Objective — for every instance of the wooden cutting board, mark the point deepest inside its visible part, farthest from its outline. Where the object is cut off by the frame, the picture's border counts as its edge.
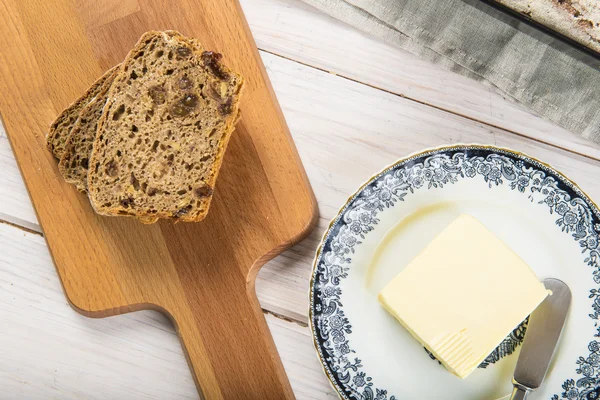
(200, 274)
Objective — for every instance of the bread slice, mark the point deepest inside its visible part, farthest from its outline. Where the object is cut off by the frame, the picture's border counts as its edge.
(74, 162)
(161, 138)
(57, 136)
(75, 159)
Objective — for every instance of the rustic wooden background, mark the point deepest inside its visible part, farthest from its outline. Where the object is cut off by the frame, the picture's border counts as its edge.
(353, 105)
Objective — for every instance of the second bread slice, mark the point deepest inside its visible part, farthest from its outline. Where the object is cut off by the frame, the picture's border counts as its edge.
(163, 132)
(60, 129)
(75, 159)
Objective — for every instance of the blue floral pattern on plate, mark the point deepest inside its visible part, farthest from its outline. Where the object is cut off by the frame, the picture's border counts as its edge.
(575, 215)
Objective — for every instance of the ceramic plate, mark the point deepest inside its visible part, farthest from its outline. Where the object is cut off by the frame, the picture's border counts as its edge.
(536, 210)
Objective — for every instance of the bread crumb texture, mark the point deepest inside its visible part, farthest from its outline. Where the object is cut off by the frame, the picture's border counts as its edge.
(163, 131)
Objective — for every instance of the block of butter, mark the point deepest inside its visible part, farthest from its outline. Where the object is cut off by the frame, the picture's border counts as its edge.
(463, 295)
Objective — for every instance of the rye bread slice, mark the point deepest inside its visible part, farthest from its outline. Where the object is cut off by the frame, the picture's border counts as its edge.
(58, 134)
(74, 162)
(161, 138)
(75, 159)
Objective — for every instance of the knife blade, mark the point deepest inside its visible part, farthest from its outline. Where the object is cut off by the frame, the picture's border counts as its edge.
(543, 332)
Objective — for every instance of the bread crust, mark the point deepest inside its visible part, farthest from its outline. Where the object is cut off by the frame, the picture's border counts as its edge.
(109, 196)
(73, 163)
(60, 129)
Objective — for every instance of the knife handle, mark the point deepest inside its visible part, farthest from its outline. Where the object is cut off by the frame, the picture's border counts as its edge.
(519, 393)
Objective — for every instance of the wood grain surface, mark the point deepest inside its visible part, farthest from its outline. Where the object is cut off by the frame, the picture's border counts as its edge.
(201, 275)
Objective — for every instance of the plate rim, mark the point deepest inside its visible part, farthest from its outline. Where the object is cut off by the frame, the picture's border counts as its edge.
(416, 154)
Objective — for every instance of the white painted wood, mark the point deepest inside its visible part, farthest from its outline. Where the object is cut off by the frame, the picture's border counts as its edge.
(300, 32)
(15, 205)
(48, 351)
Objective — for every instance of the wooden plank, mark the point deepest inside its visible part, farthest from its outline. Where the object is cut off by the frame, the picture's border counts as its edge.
(201, 275)
(50, 351)
(297, 31)
(15, 205)
(346, 132)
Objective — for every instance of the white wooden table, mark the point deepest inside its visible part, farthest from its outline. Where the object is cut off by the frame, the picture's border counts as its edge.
(353, 105)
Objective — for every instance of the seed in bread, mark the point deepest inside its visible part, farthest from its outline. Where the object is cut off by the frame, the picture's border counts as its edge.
(161, 138)
(57, 136)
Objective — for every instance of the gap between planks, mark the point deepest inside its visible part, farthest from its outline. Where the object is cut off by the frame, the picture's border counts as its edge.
(21, 227)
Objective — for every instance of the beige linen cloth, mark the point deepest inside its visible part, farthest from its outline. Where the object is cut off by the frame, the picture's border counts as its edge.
(471, 42)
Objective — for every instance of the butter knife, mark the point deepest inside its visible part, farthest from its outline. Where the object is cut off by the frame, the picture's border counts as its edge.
(543, 332)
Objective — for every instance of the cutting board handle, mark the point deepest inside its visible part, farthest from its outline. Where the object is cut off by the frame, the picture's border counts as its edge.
(232, 356)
